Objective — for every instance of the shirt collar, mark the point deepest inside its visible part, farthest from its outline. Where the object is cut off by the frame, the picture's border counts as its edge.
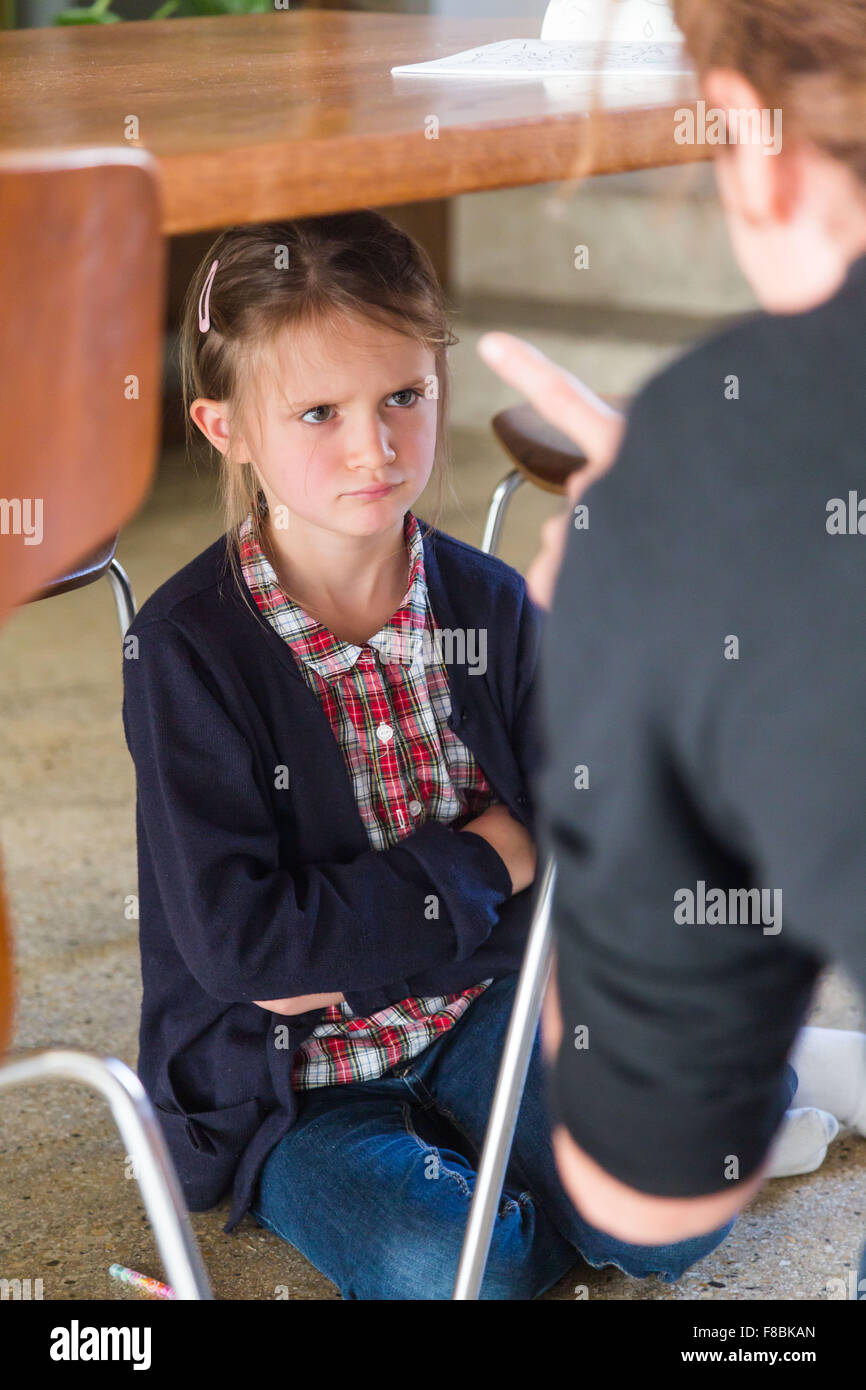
(399, 641)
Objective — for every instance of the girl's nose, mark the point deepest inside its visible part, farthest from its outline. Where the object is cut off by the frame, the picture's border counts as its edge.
(370, 445)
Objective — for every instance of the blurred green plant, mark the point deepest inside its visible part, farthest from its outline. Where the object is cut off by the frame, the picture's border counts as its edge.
(99, 13)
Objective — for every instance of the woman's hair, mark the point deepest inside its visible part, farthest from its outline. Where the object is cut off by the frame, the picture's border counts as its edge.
(806, 58)
(274, 276)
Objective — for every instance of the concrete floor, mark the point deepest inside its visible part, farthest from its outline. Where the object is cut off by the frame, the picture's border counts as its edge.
(67, 1208)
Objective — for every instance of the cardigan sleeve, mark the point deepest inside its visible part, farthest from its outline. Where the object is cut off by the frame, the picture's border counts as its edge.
(247, 927)
(504, 945)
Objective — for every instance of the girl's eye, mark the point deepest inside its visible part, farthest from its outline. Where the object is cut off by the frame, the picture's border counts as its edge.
(410, 392)
(313, 410)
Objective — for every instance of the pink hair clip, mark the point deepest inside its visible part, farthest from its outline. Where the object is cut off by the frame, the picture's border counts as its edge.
(204, 317)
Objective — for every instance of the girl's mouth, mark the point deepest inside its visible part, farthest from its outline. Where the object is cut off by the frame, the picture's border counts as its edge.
(374, 491)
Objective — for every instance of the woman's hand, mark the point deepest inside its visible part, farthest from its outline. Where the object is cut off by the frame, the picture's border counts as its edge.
(606, 1202)
(575, 410)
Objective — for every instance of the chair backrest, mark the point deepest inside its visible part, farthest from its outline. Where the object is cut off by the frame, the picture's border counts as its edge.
(543, 454)
(7, 1010)
(82, 289)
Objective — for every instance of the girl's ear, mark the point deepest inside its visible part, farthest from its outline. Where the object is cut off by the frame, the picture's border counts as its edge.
(208, 416)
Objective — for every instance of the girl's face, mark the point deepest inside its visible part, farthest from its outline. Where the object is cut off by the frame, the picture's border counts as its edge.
(345, 411)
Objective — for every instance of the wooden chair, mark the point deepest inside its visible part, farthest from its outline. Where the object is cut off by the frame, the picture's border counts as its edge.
(541, 455)
(545, 457)
(82, 283)
(102, 561)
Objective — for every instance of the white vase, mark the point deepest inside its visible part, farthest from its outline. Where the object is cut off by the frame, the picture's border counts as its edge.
(620, 21)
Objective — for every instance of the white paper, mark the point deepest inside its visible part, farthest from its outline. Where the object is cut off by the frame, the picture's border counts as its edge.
(557, 58)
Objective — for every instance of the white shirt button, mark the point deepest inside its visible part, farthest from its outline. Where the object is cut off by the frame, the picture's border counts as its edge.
(415, 807)
(384, 733)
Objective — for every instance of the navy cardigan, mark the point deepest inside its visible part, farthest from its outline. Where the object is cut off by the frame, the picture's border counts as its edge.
(253, 889)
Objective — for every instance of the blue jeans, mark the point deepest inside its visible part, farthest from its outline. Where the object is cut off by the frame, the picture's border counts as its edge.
(373, 1181)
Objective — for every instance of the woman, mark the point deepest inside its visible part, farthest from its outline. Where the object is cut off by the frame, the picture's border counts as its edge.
(711, 502)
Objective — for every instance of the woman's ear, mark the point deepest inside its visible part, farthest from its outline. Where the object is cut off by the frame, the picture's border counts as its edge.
(756, 183)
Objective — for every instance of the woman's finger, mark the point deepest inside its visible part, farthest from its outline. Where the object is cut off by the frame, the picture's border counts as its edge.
(551, 1018)
(542, 573)
(558, 396)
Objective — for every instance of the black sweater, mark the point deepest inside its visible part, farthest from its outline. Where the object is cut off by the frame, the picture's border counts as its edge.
(708, 765)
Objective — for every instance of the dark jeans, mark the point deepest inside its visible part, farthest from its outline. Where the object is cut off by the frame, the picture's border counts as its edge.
(373, 1181)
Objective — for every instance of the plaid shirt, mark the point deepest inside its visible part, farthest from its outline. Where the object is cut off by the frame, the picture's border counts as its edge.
(388, 704)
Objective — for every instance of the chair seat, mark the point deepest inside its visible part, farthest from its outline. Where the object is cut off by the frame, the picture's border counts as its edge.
(92, 567)
(542, 453)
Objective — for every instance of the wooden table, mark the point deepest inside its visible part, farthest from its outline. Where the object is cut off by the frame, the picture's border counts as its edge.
(296, 113)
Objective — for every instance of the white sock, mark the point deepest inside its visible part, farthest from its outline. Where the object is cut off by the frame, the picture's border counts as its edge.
(831, 1068)
(800, 1146)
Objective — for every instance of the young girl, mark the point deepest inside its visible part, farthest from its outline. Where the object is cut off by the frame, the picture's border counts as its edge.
(331, 715)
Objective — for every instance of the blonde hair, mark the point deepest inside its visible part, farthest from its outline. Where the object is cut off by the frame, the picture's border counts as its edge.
(275, 275)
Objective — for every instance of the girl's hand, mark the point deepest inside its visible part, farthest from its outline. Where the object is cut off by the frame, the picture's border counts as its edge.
(575, 410)
(510, 839)
(300, 1004)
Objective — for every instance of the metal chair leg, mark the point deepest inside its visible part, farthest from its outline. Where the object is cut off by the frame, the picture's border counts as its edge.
(123, 595)
(140, 1132)
(496, 511)
(525, 1012)
(507, 1095)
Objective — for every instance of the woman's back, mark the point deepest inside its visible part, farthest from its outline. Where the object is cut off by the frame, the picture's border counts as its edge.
(723, 661)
